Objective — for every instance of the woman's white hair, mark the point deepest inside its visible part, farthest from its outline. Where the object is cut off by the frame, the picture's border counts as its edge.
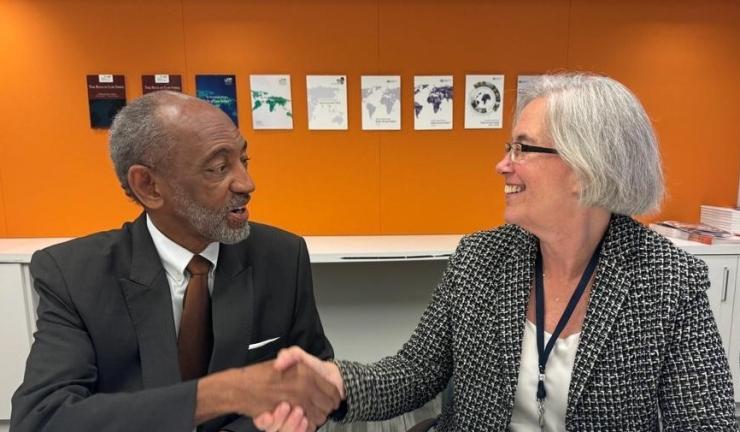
(604, 134)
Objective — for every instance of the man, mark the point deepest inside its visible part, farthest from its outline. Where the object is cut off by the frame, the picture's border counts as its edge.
(128, 339)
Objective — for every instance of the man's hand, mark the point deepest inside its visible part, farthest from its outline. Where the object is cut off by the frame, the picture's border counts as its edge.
(261, 388)
(285, 419)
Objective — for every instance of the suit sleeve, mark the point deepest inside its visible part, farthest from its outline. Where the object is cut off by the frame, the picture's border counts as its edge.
(696, 388)
(58, 392)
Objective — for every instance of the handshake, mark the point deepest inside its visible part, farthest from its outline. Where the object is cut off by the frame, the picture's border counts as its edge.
(294, 393)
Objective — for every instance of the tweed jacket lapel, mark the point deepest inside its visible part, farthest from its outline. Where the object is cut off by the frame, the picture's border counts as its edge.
(519, 276)
(609, 290)
(149, 303)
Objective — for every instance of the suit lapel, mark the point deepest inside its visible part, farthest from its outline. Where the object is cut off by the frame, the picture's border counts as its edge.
(147, 295)
(610, 289)
(232, 305)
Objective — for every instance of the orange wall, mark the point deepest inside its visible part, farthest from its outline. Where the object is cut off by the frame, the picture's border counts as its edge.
(680, 57)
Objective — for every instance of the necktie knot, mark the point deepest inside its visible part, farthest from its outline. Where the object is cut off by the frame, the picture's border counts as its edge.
(198, 266)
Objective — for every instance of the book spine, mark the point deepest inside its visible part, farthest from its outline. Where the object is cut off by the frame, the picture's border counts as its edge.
(667, 231)
(701, 238)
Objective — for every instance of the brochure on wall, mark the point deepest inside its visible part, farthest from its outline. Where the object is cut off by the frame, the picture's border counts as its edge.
(433, 102)
(484, 101)
(152, 83)
(220, 91)
(106, 95)
(327, 102)
(272, 106)
(522, 81)
(381, 102)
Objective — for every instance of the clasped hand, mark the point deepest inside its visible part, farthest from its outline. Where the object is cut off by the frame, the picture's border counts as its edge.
(300, 414)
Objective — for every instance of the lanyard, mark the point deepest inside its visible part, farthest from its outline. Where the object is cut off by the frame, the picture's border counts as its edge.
(542, 350)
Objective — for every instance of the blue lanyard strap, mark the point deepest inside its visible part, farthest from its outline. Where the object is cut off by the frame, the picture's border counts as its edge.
(542, 350)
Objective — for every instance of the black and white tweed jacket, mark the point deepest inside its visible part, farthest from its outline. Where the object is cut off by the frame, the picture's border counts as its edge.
(648, 342)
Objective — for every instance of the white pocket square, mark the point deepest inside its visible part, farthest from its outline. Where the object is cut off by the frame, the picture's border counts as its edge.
(263, 343)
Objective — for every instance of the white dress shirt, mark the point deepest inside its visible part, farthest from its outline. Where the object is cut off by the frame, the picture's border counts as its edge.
(525, 416)
(174, 260)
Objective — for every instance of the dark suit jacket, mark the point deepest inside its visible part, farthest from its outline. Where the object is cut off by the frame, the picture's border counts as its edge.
(104, 357)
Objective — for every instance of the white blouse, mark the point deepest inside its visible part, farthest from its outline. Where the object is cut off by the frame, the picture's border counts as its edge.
(524, 416)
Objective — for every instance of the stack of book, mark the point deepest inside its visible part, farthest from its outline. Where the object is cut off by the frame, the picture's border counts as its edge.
(726, 218)
(701, 232)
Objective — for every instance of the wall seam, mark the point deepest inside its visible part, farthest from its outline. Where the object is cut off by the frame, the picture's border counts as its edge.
(381, 229)
(567, 40)
(184, 43)
(3, 205)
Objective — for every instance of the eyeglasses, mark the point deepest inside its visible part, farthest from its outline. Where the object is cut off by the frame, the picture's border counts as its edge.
(515, 150)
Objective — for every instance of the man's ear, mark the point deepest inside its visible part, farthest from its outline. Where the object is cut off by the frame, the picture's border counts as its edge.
(145, 186)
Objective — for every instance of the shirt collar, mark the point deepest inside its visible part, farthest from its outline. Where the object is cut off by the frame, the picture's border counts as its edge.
(175, 257)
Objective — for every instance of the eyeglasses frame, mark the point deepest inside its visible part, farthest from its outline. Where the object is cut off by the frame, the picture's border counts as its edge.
(526, 148)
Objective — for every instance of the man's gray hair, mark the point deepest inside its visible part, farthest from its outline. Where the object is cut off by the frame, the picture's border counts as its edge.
(140, 135)
(604, 134)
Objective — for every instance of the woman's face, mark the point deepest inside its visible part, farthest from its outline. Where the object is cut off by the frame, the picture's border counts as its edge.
(541, 190)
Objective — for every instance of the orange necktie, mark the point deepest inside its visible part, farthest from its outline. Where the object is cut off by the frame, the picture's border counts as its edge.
(195, 341)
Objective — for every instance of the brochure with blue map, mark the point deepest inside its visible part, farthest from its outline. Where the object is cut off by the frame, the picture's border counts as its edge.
(106, 95)
(433, 96)
(220, 91)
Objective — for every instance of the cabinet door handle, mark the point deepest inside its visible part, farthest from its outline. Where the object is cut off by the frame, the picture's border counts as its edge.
(725, 280)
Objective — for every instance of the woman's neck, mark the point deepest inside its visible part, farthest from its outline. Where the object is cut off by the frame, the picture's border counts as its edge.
(567, 248)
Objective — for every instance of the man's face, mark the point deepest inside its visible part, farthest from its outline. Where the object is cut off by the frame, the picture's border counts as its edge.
(211, 223)
(206, 186)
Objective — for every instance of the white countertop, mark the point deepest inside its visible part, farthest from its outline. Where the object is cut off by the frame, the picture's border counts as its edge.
(381, 248)
(335, 249)
(322, 249)
(19, 250)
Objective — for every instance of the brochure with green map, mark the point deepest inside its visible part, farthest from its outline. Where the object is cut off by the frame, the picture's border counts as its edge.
(272, 106)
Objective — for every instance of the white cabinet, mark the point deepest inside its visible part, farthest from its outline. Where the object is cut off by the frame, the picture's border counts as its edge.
(722, 276)
(734, 352)
(734, 355)
(15, 331)
(724, 296)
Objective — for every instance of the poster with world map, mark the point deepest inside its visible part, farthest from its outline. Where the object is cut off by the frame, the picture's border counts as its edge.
(327, 102)
(381, 102)
(272, 106)
(484, 101)
(433, 102)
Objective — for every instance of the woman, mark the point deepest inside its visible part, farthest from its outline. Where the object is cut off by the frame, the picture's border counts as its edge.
(626, 311)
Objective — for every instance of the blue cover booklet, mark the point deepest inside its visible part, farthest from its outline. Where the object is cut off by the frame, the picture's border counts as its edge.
(220, 91)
